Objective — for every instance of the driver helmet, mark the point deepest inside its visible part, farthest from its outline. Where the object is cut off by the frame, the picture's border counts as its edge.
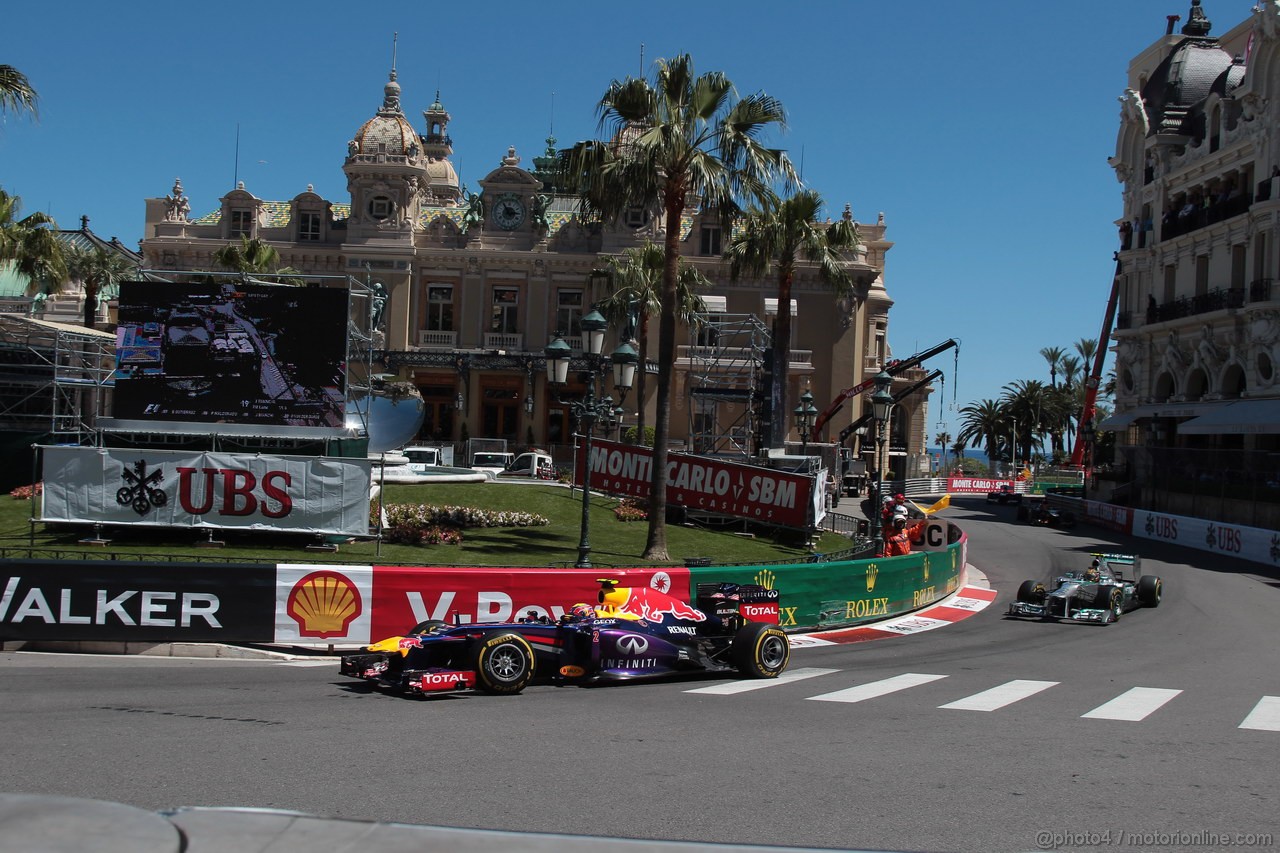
(1093, 573)
(582, 611)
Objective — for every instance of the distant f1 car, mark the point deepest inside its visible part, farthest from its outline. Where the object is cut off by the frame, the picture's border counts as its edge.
(1037, 510)
(632, 633)
(1004, 495)
(1110, 587)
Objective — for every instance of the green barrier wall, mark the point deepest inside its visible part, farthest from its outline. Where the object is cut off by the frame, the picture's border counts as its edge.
(853, 592)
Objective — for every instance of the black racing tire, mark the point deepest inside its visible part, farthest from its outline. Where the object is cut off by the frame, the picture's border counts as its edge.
(1112, 599)
(1031, 592)
(1150, 590)
(760, 650)
(504, 663)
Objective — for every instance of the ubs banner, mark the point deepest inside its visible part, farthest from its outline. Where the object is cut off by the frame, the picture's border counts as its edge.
(168, 488)
(136, 602)
(703, 483)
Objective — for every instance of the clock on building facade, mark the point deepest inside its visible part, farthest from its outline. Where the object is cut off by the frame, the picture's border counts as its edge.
(508, 212)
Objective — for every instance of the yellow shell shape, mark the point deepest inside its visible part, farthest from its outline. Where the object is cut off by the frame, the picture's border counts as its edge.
(323, 604)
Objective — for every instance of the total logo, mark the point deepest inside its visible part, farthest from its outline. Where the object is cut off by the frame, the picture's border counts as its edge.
(449, 680)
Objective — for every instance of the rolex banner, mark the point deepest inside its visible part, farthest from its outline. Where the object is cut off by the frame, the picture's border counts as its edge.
(706, 484)
(167, 488)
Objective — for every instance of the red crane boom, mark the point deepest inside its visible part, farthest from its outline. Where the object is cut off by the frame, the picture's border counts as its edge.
(893, 368)
(1095, 375)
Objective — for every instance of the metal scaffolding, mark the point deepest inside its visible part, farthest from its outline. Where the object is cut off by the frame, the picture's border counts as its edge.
(725, 364)
(55, 378)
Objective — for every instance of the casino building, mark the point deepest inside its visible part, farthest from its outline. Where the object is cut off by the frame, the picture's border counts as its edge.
(1197, 334)
(479, 284)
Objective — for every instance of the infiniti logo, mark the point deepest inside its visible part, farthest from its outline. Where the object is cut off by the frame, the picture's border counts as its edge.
(633, 644)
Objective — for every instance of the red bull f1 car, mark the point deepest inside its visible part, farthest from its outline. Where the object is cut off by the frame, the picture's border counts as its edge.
(1102, 593)
(630, 633)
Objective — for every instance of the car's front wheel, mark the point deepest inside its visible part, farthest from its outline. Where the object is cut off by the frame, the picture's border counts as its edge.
(1031, 592)
(760, 650)
(1110, 599)
(504, 663)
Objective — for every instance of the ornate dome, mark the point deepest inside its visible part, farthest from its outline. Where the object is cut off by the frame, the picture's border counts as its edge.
(1186, 77)
(388, 128)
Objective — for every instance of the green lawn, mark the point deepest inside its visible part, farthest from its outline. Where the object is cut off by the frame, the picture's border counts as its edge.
(613, 542)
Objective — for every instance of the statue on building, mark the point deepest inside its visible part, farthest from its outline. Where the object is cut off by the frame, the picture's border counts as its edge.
(1174, 358)
(475, 210)
(177, 206)
(538, 214)
(1207, 350)
(377, 304)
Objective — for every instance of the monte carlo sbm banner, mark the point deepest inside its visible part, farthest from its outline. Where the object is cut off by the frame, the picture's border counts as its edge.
(177, 488)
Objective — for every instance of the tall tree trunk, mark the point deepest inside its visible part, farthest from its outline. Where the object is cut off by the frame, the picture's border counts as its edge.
(781, 361)
(656, 546)
(640, 375)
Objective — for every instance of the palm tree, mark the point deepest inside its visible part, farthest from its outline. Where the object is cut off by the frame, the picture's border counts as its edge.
(1053, 355)
(31, 243)
(683, 137)
(249, 256)
(983, 425)
(16, 92)
(98, 269)
(943, 440)
(1024, 404)
(1087, 347)
(637, 276)
(780, 235)
(1070, 368)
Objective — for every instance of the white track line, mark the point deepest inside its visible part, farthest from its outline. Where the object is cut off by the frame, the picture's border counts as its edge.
(998, 697)
(1132, 705)
(1265, 716)
(732, 687)
(878, 688)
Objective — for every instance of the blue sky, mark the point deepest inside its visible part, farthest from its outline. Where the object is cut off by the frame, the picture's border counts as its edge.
(980, 130)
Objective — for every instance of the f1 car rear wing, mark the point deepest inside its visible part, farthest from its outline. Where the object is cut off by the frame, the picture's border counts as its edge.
(1121, 562)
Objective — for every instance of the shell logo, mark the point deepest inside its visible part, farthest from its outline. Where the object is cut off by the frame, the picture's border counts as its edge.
(323, 604)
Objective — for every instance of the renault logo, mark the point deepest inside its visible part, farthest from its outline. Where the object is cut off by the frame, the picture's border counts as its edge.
(633, 644)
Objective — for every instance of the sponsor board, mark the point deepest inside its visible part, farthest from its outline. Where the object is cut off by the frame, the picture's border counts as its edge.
(975, 485)
(1110, 516)
(1232, 540)
(168, 488)
(146, 602)
(702, 483)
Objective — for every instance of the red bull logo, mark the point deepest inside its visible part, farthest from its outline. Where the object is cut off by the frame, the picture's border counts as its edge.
(650, 604)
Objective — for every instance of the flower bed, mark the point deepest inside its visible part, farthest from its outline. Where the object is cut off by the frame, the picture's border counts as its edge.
(425, 524)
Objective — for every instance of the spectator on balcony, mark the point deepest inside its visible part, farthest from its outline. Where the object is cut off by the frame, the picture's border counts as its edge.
(1126, 235)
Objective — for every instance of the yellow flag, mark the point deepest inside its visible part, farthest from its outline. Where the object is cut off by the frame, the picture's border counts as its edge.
(942, 503)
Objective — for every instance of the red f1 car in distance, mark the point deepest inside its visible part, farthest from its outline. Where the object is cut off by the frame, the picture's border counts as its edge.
(630, 633)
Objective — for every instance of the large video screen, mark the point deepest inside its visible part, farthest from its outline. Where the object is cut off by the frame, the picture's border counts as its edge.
(231, 353)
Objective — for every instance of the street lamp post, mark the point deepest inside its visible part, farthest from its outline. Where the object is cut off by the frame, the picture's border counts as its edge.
(881, 406)
(805, 414)
(590, 409)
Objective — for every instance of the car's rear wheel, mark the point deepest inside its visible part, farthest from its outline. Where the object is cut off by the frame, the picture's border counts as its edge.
(1030, 592)
(504, 663)
(1150, 590)
(760, 650)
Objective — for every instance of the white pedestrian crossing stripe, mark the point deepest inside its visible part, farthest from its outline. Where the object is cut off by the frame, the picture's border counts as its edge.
(998, 697)
(1265, 716)
(790, 675)
(1133, 705)
(878, 688)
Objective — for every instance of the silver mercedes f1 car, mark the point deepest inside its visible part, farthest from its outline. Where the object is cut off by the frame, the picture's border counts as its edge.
(1102, 593)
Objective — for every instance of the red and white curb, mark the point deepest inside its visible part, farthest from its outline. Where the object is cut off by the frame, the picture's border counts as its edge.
(967, 601)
